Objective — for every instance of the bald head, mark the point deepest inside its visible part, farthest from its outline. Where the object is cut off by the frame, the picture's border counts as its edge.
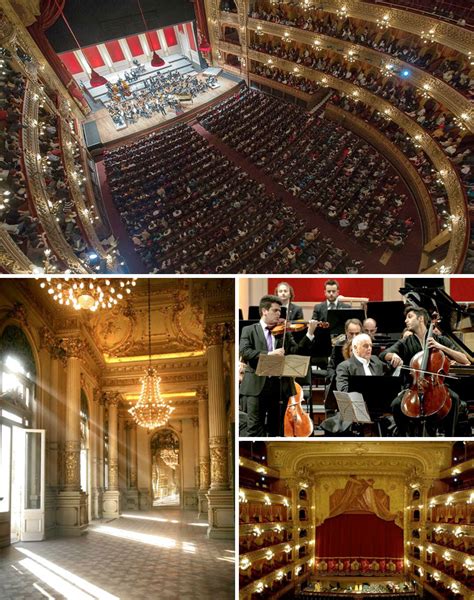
(369, 326)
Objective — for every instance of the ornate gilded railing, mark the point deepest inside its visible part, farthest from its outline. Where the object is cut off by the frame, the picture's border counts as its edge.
(12, 259)
(77, 194)
(281, 87)
(457, 233)
(454, 101)
(37, 184)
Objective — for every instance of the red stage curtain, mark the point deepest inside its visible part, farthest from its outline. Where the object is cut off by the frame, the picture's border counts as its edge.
(115, 51)
(93, 57)
(356, 535)
(200, 12)
(311, 290)
(50, 12)
(170, 36)
(190, 31)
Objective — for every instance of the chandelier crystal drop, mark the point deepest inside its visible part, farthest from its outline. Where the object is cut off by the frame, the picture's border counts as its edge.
(88, 294)
(151, 410)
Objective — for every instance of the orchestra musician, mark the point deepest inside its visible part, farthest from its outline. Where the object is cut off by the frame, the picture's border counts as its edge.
(286, 293)
(369, 326)
(360, 363)
(417, 322)
(260, 396)
(332, 302)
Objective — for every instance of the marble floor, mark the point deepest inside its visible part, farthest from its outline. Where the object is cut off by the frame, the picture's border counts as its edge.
(161, 554)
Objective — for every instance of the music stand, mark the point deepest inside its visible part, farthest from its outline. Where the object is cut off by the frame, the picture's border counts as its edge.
(275, 365)
(379, 391)
(352, 407)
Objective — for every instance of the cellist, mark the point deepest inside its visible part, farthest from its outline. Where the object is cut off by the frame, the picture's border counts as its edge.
(259, 396)
(417, 321)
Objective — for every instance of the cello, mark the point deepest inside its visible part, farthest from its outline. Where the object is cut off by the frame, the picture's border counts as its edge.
(297, 422)
(428, 395)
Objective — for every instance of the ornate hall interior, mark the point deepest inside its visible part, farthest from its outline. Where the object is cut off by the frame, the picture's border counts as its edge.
(155, 137)
(117, 438)
(372, 520)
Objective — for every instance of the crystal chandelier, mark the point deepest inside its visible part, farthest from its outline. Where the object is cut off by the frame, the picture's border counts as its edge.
(151, 410)
(170, 457)
(88, 294)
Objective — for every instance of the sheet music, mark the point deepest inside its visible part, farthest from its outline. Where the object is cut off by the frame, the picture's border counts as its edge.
(352, 407)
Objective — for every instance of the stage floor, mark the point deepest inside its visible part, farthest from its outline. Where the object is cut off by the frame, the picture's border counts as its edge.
(106, 127)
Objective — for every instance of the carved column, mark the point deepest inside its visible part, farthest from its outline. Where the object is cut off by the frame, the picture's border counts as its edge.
(95, 432)
(131, 493)
(111, 508)
(204, 461)
(220, 497)
(72, 502)
(100, 453)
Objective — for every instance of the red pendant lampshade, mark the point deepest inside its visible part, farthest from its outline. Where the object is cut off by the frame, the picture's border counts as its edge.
(156, 60)
(97, 79)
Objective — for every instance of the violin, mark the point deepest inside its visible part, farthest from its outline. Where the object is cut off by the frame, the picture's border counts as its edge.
(294, 326)
(428, 396)
(297, 423)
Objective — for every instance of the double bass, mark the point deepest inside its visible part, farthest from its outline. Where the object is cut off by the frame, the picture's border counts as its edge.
(428, 395)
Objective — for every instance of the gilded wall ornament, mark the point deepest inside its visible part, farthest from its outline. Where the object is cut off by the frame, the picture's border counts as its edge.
(204, 473)
(214, 334)
(113, 473)
(73, 347)
(71, 454)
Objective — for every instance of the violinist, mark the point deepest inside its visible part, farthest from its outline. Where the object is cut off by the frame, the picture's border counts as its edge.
(401, 353)
(260, 396)
(286, 294)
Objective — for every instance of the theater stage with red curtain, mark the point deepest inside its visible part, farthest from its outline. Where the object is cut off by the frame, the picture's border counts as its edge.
(352, 544)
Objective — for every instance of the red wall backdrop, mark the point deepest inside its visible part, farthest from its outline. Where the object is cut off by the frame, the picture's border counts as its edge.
(153, 40)
(462, 288)
(170, 36)
(71, 63)
(135, 46)
(93, 56)
(115, 51)
(312, 289)
(189, 29)
(359, 536)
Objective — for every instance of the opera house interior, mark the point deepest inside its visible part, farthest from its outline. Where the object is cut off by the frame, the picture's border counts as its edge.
(371, 520)
(236, 136)
(362, 364)
(117, 438)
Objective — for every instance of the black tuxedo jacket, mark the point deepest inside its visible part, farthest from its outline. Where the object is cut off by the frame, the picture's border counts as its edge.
(320, 311)
(296, 313)
(353, 367)
(252, 344)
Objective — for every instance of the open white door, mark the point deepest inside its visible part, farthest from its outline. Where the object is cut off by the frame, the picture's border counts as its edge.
(32, 522)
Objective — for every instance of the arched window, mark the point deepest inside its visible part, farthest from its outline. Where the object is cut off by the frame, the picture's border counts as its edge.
(166, 468)
(303, 495)
(18, 376)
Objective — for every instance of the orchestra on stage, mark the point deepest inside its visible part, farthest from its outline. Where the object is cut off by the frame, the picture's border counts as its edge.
(357, 367)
